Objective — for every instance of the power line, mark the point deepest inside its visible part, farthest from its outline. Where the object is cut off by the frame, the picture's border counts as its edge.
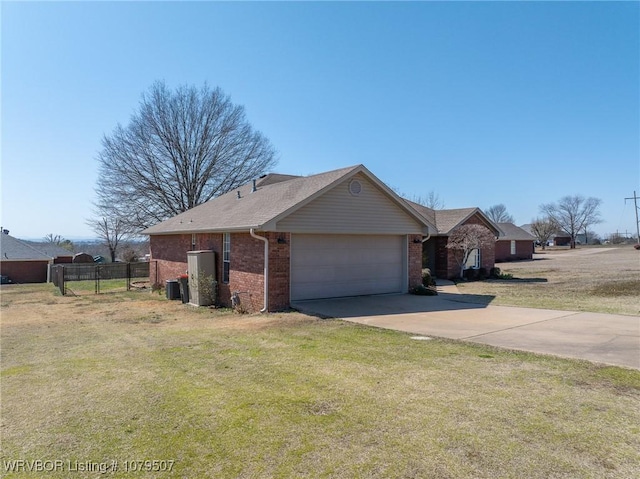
(635, 202)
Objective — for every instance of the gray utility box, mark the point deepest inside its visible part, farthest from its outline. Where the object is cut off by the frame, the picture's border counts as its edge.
(201, 266)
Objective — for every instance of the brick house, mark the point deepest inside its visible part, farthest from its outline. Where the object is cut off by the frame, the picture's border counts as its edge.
(286, 238)
(24, 262)
(440, 259)
(514, 244)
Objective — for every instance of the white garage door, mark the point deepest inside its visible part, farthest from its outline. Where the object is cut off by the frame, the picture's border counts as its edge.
(328, 266)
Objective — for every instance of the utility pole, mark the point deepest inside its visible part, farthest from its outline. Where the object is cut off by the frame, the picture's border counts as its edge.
(635, 199)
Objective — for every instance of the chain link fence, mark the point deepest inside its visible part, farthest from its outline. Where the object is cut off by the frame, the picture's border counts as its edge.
(100, 278)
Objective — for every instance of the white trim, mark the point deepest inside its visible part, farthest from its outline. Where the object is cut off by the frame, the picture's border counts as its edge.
(405, 266)
(227, 259)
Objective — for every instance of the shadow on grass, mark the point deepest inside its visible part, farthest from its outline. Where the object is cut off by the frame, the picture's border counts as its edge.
(518, 280)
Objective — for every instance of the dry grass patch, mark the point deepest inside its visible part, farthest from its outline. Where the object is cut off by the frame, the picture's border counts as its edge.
(618, 288)
(605, 280)
(286, 395)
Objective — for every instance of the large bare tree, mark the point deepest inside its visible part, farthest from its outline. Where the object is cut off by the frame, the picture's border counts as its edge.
(499, 214)
(573, 214)
(111, 231)
(465, 239)
(543, 229)
(180, 149)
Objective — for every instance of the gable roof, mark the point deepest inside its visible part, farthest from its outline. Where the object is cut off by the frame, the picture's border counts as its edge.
(276, 197)
(13, 249)
(512, 232)
(50, 249)
(447, 220)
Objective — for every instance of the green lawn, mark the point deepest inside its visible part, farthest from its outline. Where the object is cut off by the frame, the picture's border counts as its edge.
(91, 379)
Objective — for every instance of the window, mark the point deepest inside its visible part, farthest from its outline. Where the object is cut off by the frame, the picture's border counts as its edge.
(473, 261)
(513, 247)
(193, 242)
(226, 256)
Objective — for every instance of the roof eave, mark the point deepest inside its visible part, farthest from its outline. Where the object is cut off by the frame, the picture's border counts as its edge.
(236, 229)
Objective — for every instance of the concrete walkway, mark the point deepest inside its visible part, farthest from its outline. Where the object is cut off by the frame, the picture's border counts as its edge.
(605, 338)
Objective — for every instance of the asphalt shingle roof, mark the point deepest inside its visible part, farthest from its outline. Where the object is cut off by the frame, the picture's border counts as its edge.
(445, 220)
(513, 232)
(276, 196)
(52, 250)
(14, 249)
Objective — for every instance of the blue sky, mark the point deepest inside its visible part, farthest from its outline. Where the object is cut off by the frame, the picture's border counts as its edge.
(518, 103)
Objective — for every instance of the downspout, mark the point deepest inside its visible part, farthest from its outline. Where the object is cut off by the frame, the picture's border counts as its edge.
(266, 268)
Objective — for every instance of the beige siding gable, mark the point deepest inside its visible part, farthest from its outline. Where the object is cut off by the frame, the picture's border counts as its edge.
(371, 211)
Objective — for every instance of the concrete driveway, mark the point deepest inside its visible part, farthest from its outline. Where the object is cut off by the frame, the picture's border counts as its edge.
(605, 338)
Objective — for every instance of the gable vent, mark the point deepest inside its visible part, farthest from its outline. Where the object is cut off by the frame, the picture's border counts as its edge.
(355, 187)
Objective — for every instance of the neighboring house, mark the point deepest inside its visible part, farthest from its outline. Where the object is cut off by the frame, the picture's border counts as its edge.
(514, 244)
(561, 239)
(59, 254)
(284, 238)
(440, 259)
(25, 263)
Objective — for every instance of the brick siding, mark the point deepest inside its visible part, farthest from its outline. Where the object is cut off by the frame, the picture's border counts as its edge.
(415, 261)
(246, 274)
(446, 265)
(168, 257)
(25, 271)
(524, 250)
(169, 260)
(279, 270)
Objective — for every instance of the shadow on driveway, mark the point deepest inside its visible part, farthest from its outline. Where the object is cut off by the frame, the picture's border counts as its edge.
(391, 304)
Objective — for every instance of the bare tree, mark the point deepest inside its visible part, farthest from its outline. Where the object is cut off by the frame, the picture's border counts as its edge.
(111, 230)
(573, 214)
(467, 238)
(543, 229)
(499, 214)
(180, 149)
(58, 241)
(52, 239)
(432, 200)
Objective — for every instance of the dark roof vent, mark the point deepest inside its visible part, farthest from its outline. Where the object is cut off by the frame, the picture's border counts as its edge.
(253, 188)
(238, 194)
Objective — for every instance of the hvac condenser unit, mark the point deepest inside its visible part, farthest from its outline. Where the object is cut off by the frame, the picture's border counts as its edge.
(201, 266)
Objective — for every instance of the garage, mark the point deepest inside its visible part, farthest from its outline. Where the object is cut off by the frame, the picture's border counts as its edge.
(328, 266)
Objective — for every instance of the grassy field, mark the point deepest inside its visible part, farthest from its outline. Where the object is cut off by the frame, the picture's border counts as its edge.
(125, 377)
(597, 279)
